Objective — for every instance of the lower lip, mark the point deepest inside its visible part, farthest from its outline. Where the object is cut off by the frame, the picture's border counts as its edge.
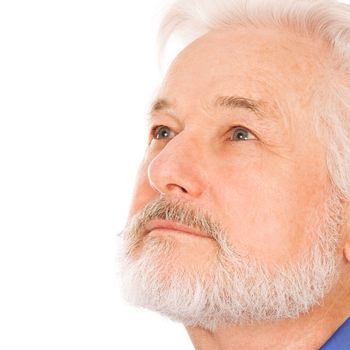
(161, 231)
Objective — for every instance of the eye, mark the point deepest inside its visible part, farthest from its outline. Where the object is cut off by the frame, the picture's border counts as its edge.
(242, 134)
(161, 132)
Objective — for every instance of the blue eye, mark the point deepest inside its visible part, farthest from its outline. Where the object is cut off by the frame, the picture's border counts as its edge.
(161, 132)
(242, 134)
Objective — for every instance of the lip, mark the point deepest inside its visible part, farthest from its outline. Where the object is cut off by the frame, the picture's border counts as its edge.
(173, 226)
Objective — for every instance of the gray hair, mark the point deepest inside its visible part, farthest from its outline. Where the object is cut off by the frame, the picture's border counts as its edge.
(326, 20)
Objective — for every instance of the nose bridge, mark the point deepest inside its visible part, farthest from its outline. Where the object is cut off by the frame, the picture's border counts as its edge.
(179, 167)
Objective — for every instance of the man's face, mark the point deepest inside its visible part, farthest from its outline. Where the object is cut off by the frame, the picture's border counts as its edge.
(237, 147)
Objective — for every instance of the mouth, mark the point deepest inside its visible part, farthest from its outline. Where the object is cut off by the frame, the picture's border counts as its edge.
(155, 227)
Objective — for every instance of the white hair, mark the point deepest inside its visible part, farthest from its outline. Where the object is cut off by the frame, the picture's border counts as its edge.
(325, 20)
(235, 289)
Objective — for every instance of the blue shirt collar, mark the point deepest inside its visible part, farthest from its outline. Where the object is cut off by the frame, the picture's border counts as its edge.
(340, 340)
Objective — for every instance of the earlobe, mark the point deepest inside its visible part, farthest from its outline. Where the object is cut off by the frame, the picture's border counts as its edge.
(346, 233)
(346, 251)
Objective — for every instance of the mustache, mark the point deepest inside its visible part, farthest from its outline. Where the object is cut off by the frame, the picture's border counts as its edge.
(175, 210)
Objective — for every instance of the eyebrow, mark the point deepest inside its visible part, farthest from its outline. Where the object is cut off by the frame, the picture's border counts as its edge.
(232, 102)
(259, 107)
(160, 105)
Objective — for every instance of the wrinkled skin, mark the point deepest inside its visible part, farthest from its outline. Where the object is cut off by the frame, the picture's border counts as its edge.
(262, 190)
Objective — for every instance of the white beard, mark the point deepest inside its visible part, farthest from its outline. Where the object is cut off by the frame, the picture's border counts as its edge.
(235, 289)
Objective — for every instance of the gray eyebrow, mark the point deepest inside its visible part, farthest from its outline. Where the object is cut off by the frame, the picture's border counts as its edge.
(259, 107)
(160, 104)
(238, 102)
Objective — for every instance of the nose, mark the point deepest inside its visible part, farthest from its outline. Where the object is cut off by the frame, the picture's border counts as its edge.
(178, 169)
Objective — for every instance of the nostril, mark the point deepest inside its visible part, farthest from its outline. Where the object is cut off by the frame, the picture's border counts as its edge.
(174, 187)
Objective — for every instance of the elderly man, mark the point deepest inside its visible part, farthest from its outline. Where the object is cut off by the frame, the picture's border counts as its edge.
(239, 225)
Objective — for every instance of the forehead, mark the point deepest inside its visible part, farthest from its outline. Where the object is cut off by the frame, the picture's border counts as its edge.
(256, 64)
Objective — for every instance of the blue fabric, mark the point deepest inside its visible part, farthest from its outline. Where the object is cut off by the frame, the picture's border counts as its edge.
(340, 340)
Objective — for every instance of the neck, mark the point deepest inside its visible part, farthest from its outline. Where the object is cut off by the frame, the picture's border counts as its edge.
(310, 331)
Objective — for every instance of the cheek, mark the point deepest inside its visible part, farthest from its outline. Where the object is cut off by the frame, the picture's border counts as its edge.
(258, 218)
(265, 208)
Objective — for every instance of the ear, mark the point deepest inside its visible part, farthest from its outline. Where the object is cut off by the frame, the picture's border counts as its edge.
(346, 233)
(346, 251)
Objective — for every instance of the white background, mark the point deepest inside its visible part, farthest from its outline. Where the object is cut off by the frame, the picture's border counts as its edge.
(76, 80)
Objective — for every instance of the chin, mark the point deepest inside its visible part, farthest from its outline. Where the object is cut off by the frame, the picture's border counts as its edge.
(169, 254)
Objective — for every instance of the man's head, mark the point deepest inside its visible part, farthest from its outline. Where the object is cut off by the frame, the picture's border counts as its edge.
(248, 148)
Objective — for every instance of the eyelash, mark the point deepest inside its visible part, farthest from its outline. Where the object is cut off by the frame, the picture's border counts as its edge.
(155, 128)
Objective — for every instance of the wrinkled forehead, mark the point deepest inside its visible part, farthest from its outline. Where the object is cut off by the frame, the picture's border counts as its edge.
(253, 51)
(258, 64)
